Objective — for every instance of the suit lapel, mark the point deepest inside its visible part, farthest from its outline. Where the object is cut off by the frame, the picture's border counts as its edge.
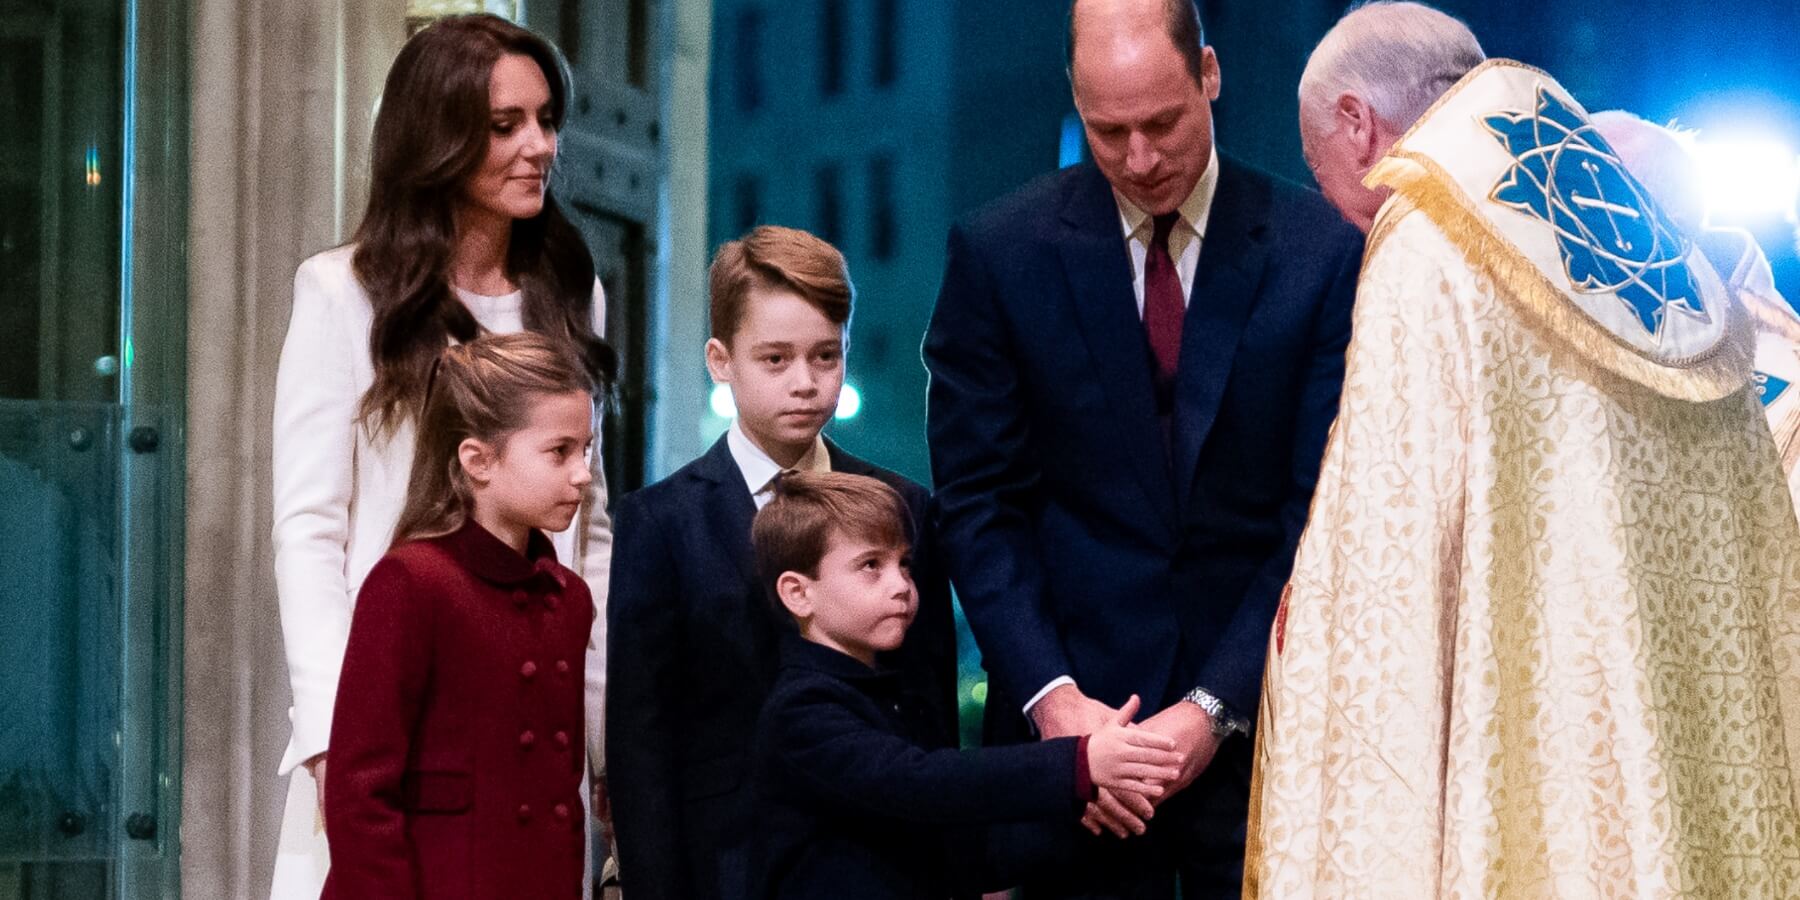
(843, 461)
(1232, 256)
(729, 508)
(1097, 264)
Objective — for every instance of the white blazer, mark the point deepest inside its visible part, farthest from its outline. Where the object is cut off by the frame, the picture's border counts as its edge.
(339, 491)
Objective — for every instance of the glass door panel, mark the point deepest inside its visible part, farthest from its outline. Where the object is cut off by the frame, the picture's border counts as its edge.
(90, 461)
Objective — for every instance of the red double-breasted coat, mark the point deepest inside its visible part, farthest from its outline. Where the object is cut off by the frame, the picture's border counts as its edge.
(454, 764)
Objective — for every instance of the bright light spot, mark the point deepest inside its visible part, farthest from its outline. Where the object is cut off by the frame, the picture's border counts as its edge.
(1069, 150)
(979, 692)
(849, 402)
(720, 401)
(1748, 179)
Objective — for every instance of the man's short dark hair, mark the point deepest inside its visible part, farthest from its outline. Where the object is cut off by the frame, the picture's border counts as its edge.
(1185, 31)
(794, 531)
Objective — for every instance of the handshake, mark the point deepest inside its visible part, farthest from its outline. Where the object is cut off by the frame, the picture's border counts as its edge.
(1135, 766)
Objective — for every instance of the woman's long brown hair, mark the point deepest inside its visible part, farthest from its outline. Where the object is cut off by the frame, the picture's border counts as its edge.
(484, 390)
(430, 135)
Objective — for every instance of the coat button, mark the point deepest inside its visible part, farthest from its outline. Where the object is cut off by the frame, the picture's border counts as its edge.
(527, 739)
(561, 811)
(528, 670)
(562, 667)
(520, 597)
(562, 739)
(524, 812)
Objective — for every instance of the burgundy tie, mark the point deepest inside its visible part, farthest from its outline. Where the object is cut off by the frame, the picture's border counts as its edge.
(1164, 305)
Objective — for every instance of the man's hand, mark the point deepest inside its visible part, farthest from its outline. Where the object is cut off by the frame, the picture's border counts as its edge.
(1122, 813)
(1126, 814)
(1191, 728)
(1124, 806)
(1067, 712)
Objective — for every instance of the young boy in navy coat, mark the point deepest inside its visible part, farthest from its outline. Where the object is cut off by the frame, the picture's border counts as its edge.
(692, 643)
(850, 802)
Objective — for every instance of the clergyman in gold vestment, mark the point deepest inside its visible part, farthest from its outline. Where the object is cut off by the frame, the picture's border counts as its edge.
(1540, 637)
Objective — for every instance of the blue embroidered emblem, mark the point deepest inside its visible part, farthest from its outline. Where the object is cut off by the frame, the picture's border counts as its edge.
(1613, 237)
(1769, 388)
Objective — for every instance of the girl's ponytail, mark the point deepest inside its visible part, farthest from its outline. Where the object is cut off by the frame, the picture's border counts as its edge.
(483, 390)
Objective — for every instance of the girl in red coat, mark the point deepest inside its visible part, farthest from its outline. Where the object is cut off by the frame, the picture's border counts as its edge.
(456, 742)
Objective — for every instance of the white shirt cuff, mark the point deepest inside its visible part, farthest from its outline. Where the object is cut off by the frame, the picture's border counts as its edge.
(1053, 685)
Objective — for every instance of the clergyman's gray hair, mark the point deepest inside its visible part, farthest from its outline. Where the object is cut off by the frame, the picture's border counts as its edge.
(1399, 57)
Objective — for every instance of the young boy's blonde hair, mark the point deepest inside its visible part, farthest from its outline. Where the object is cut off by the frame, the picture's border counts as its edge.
(772, 257)
(811, 509)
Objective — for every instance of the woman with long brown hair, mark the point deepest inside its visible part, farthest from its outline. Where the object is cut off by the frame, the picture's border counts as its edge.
(460, 237)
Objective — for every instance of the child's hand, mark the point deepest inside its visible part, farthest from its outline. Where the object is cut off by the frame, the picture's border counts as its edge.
(1126, 759)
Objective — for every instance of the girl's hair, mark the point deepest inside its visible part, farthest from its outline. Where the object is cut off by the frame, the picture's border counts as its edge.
(483, 389)
(431, 134)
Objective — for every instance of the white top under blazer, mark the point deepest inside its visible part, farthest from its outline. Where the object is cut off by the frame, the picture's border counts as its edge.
(338, 491)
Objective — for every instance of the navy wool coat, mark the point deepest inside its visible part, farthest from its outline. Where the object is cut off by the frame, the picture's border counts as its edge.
(851, 803)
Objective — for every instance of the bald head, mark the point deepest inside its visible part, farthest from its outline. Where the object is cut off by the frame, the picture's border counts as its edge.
(1178, 21)
(1371, 77)
(1144, 85)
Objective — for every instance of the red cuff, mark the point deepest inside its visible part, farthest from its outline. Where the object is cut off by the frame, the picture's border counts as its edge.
(1084, 779)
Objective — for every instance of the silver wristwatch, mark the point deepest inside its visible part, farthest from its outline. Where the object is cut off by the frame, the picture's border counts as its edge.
(1224, 724)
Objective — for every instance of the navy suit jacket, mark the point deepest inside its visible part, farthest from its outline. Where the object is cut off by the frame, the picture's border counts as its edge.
(692, 651)
(1082, 542)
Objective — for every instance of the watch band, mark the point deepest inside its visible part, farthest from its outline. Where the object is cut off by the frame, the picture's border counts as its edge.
(1224, 724)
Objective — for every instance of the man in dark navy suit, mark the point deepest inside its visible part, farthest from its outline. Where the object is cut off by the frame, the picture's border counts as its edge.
(1134, 365)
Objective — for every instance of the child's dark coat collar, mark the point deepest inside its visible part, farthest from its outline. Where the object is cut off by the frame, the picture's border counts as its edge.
(799, 653)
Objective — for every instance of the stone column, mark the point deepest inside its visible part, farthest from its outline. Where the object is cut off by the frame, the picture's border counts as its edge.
(282, 97)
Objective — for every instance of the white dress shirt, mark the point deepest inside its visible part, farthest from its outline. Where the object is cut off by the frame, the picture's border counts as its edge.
(1184, 238)
(759, 470)
(1184, 248)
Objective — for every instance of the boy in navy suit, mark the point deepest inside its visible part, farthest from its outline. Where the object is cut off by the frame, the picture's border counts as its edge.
(692, 643)
(850, 801)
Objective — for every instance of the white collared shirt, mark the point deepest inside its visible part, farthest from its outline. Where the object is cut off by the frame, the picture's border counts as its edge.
(759, 470)
(1184, 248)
(1184, 239)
